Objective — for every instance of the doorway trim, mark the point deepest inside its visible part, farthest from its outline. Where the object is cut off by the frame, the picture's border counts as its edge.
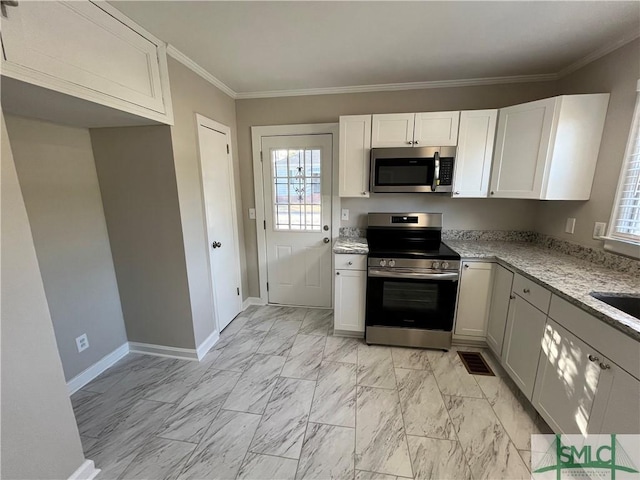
(258, 188)
(206, 122)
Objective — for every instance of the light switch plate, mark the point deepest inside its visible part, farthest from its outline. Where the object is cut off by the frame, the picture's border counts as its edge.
(345, 214)
(599, 230)
(252, 213)
(570, 225)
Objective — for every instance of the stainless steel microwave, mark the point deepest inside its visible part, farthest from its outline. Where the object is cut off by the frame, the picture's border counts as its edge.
(412, 169)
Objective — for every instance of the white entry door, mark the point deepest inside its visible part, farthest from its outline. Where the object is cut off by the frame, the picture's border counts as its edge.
(220, 208)
(297, 196)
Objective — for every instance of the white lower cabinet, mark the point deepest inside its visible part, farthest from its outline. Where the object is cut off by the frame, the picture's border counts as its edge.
(522, 343)
(567, 380)
(500, 300)
(473, 299)
(350, 295)
(578, 390)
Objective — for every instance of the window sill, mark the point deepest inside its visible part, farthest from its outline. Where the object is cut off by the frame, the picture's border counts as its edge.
(628, 249)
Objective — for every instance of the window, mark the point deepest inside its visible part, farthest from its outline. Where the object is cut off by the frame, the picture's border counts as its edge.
(296, 190)
(624, 227)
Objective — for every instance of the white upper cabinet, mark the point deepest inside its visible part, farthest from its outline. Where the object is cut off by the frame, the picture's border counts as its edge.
(392, 130)
(89, 51)
(475, 149)
(437, 129)
(548, 149)
(355, 150)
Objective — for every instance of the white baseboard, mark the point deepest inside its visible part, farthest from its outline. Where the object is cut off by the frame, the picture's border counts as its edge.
(80, 380)
(164, 351)
(205, 346)
(252, 301)
(348, 333)
(86, 471)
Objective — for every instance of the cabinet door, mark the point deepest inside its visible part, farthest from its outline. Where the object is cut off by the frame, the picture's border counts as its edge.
(392, 130)
(475, 149)
(522, 343)
(500, 300)
(349, 305)
(522, 145)
(616, 407)
(567, 380)
(355, 149)
(77, 44)
(436, 129)
(473, 299)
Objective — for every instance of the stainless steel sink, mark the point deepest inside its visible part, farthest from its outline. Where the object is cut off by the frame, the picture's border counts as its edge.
(627, 302)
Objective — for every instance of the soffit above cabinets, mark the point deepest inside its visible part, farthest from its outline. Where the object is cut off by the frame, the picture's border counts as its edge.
(275, 48)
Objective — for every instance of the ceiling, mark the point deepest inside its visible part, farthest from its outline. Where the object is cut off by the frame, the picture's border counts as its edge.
(272, 48)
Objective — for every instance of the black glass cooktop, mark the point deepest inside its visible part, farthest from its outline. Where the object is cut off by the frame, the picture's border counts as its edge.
(442, 252)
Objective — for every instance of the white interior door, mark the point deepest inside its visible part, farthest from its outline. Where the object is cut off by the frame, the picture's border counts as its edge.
(296, 172)
(220, 209)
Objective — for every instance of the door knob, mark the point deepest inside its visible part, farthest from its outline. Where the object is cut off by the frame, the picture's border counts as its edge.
(325, 239)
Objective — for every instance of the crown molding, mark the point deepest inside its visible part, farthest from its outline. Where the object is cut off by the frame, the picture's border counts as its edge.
(391, 87)
(599, 53)
(176, 54)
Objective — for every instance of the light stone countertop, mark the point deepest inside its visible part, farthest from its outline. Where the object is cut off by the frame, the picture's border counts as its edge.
(568, 277)
(351, 245)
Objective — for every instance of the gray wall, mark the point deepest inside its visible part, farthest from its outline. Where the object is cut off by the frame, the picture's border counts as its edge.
(60, 187)
(480, 214)
(39, 434)
(138, 185)
(617, 73)
(190, 95)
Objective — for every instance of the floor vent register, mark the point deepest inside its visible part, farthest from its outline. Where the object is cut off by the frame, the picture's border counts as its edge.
(475, 363)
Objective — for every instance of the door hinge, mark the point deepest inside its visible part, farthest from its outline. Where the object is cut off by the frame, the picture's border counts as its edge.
(260, 155)
(267, 286)
(264, 224)
(238, 290)
(227, 148)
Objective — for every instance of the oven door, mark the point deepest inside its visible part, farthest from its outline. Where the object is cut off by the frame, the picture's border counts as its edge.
(411, 300)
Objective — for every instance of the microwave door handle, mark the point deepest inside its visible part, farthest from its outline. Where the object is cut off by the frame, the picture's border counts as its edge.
(436, 173)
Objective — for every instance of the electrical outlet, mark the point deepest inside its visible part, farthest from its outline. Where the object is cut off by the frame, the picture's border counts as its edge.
(252, 214)
(82, 342)
(570, 226)
(345, 214)
(599, 230)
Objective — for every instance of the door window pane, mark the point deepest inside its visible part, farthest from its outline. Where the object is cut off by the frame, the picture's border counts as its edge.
(296, 189)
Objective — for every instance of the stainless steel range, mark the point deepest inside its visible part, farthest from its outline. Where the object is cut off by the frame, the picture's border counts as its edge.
(412, 281)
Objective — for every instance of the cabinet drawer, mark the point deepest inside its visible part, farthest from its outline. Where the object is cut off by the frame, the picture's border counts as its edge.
(533, 293)
(620, 348)
(345, 261)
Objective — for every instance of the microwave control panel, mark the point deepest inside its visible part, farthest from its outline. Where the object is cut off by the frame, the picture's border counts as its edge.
(446, 171)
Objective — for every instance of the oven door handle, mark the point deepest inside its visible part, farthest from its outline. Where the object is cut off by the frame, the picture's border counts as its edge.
(377, 272)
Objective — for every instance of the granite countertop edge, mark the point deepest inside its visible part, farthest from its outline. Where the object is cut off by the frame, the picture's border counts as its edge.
(351, 245)
(616, 318)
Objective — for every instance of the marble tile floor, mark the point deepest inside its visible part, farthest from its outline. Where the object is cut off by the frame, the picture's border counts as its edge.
(279, 397)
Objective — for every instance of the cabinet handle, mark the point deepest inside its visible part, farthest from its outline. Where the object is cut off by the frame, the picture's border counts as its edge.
(512, 296)
(491, 193)
(364, 193)
(415, 142)
(350, 263)
(456, 193)
(410, 143)
(605, 366)
(526, 290)
(593, 358)
(466, 265)
(337, 273)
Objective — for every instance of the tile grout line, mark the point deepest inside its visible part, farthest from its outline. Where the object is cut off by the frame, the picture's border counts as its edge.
(455, 431)
(404, 425)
